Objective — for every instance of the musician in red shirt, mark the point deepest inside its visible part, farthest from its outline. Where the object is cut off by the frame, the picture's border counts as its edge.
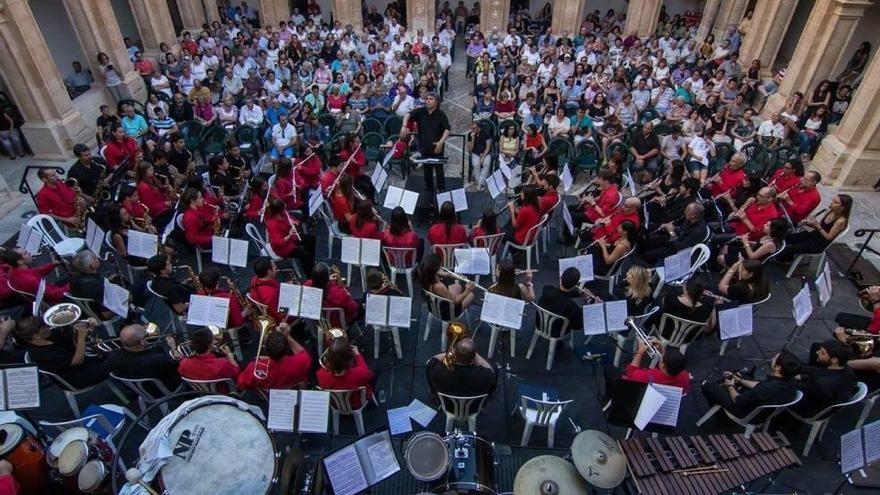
(308, 169)
(524, 218)
(198, 227)
(329, 177)
(285, 236)
(446, 230)
(259, 190)
(120, 149)
(671, 370)
(400, 234)
(800, 200)
(342, 203)
(607, 227)
(335, 296)
(23, 277)
(788, 176)
(731, 175)
(204, 364)
(55, 198)
(152, 195)
(601, 207)
(265, 287)
(551, 195)
(364, 224)
(751, 219)
(210, 278)
(285, 188)
(346, 370)
(285, 362)
(352, 154)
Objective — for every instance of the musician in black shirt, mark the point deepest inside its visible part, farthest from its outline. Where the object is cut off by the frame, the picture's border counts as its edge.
(87, 170)
(671, 239)
(827, 379)
(136, 360)
(87, 283)
(433, 129)
(740, 395)
(178, 155)
(564, 300)
(175, 293)
(61, 351)
(471, 374)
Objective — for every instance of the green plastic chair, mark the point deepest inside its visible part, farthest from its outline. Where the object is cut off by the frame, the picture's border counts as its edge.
(372, 145)
(648, 114)
(756, 159)
(370, 125)
(248, 137)
(214, 141)
(392, 125)
(193, 133)
(587, 157)
(138, 106)
(723, 152)
(779, 157)
(561, 147)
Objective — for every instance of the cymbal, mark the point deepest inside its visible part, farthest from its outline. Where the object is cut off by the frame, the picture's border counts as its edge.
(598, 458)
(548, 475)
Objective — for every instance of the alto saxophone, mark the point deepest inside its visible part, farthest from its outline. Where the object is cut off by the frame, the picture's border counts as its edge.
(146, 222)
(196, 282)
(100, 193)
(236, 292)
(81, 207)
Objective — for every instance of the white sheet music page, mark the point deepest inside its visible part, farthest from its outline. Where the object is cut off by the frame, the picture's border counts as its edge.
(382, 459)
(392, 197)
(41, 294)
(566, 215)
(238, 252)
(22, 388)
(371, 250)
(398, 420)
(310, 304)
(377, 310)
(459, 199)
(94, 237)
(345, 472)
(316, 198)
(667, 415)
(288, 298)
(652, 401)
(351, 250)
(567, 179)
(852, 453)
(583, 263)
(282, 407)
(3, 392)
(141, 244)
(314, 406)
(472, 261)
(24, 231)
(442, 198)
(823, 289)
(495, 186)
(615, 315)
(515, 177)
(802, 305)
(220, 250)
(505, 169)
(116, 298)
(399, 311)
(594, 319)
(735, 322)
(207, 310)
(677, 265)
(872, 442)
(409, 201)
(504, 311)
(421, 413)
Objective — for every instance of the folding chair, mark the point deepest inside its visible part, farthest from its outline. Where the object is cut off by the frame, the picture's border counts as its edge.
(819, 421)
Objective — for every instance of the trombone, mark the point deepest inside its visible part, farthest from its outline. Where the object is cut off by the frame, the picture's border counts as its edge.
(642, 337)
(261, 366)
(185, 348)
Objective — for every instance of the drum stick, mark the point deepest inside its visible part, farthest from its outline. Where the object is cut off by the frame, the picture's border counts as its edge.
(134, 476)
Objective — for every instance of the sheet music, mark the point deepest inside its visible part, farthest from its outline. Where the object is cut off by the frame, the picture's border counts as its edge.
(94, 237)
(3, 391)
(442, 198)
(316, 198)
(399, 311)
(566, 215)
(496, 184)
(116, 298)
(667, 415)
(388, 157)
(851, 451)
(24, 231)
(615, 315)
(505, 169)
(398, 420)
(594, 319)
(238, 252)
(515, 177)
(504, 311)
(802, 305)
(314, 406)
(392, 197)
(351, 250)
(22, 388)
(382, 460)
(652, 401)
(379, 177)
(282, 406)
(459, 199)
(409, 201)
(377, 310)
(677, 265)
(141, 244)
(872, 442)
(370, 252)
(41, 293)
(345, 472)
(823, 288)
(472, 261)
(421, 413)
(288, 298)
(735, 322)
(207, 310)
(583, 263)
(310, 304)
(567, 179)
(220, 250)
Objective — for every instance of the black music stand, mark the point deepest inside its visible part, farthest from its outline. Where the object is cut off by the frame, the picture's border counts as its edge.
(625, 402)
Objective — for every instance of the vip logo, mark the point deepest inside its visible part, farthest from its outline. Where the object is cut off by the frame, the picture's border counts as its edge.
(187, 442)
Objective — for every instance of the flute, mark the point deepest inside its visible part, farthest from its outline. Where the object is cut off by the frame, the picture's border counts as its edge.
(462, 278)
(718, 298)
(292, 225)
(342, 170)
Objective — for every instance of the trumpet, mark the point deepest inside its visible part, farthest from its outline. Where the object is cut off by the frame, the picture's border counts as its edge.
(642, 337)
(261, 366)
(336, 274)
(461, 278)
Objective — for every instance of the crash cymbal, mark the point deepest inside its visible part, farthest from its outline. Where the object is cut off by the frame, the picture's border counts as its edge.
(548, 475)
(598, 458)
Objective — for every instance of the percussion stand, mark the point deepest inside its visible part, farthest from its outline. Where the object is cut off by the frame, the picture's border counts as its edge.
(793, 337)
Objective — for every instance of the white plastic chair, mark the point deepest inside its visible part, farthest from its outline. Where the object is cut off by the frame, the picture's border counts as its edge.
(265, 249)
(746, 422)
(809, 257)
(545, 322)
(85, 304)
(212, 386)
(540, 413)
(71, 392)
(614, 270)
(739, 339)
(447, 254)
(491, 243)
(145, 396)
(55, 238)
(493, 338)
(438, 306)
(104, 423)
(819, 421)
(177, 322)
(198, 249)
(458, 409)
(703, 255)
(683, 331)
(340, 404)
(869, 400)
(623, 336)
(528, 244)
(774, 253)
(108, 241)
(401, 261)
(333, 231)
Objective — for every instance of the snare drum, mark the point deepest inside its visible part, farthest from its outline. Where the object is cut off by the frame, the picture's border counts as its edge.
(79, 454)
(219, 448)
(24, 452)
(426, 456)
(471, 466)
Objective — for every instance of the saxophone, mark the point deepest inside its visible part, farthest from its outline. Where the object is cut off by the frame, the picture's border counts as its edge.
(194, 280)
(100, 193)
(81, 207)
(146, 222)
(234, 290)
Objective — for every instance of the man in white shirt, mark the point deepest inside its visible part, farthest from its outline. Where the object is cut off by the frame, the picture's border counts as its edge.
(297, 19)
(240, 69)
(231, 85)
(512, 39)
(771, 132)
(444, 59)
(403, 103)
(250, 113)
(642, 95)
(283, 138)
(186, 81)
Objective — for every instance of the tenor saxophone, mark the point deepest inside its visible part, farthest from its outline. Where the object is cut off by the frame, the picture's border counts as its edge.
(194, 279)
(236, 292)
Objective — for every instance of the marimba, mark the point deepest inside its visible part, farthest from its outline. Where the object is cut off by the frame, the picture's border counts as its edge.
(708, 464)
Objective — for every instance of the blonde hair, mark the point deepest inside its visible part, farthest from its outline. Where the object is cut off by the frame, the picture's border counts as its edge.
(639, 287)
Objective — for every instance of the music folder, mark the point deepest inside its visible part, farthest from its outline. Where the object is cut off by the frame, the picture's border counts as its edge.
(356, 467)
(19, 387)
(395, 196)
(646, 406)
(359, 251)
(457, 197)
(227, 251)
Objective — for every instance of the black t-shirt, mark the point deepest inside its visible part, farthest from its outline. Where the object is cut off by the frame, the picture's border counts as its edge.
(180, 159)
(432, 125)
(56, 357)
(105, 121)
(230, 188)
(154, 362)
(89, 286)
(823, 387)
(643, 144)
(563, 304)
(181, 112)
(87, 177)
(462, 381)
(480, 140)
(172, 290)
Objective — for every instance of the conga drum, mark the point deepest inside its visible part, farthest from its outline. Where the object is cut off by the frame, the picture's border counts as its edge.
(24, 452)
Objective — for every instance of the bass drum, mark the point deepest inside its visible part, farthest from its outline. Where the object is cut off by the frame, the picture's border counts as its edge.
(219, 449)
(471, 466)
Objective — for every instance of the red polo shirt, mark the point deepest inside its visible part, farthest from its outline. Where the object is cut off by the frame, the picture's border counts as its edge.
(369, 230)
(356, 166)
(782, 181)
(527, 218)
(197, 228)
(335, 296)
(874, 326)
(207, 367)
(327, 181)
(277, 229)
(28, 280)
(607, 200)
(284, 373)
(115, 153)
(729, 178)
(437, 234)
(355, 377)
(548, 201)
(408, 239)
(153, 198)
(758, 215)
(266, 292)
(235, 309)
(59, 199)
(254, 206)
(804, 201)
(309, 172)
(655, 375)
(341, 207)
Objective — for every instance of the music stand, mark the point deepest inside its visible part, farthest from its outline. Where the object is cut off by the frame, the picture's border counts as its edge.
(626, 399)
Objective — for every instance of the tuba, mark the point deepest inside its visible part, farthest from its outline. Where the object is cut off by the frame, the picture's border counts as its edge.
(455, 333)
(862, 342)
(330, 336)
(261, 367)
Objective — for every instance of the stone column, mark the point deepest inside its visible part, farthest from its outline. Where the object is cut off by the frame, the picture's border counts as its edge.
(154, 25)
(494, 14)
(568, 15)
(97, 30)
(192, 13)
(349, 12)
(642, 16)
(710, 12)
(52, 125)
(820, 48)
(274, 11)
(769, 25)
(420, 14)
(850, 157)
(729, 13)
(211, 12)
